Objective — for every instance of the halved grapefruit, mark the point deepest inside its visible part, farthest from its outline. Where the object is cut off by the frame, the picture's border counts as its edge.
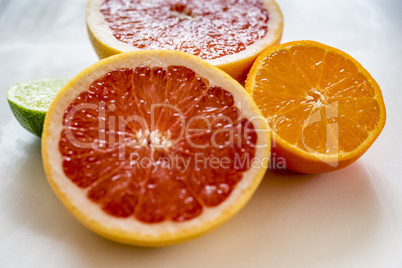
(154, 147)
(228, 34)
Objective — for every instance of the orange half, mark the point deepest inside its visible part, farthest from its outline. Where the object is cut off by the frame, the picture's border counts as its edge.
(324, 109)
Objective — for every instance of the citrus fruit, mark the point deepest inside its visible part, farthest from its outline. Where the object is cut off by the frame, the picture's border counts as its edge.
(30, 100)
(228, 34)
(154, 147)
(324, 109)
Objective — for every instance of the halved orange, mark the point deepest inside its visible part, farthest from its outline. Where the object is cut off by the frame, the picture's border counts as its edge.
(154, 147)
(228, 34)
(324, 109)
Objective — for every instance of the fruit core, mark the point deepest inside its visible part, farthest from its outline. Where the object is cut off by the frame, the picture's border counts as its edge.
(156, 143)
(315, 97)
(209, 29)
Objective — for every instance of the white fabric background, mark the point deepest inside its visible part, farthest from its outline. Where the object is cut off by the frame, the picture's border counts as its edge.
(349, 218)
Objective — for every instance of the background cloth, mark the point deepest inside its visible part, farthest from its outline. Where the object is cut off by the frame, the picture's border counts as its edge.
(348, 218)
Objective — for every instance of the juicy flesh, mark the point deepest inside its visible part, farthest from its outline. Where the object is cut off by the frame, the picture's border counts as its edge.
(316, 100)
(38, 94)
(146, 143)
(209, 29)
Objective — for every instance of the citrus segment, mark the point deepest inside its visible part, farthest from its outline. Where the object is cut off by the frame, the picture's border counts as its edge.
(324, 108)
(228, 34)
(160, 151)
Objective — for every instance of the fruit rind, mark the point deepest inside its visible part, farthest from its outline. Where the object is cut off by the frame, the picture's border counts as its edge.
(65, 189)
(31, 120)
(297, 159)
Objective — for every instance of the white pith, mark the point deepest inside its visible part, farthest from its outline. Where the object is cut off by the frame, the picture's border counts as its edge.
(78, 197)
(100, 28)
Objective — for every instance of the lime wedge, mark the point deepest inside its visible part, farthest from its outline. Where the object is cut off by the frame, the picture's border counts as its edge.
(30, 100)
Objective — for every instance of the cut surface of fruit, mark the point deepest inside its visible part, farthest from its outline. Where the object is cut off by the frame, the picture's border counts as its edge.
(154, 147)
(324, 108)
(226, 33)
(212, 29)
(30, 100)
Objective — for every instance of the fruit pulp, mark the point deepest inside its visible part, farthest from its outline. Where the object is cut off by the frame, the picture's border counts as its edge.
(156, 143)
(209, 29)
(327, 101)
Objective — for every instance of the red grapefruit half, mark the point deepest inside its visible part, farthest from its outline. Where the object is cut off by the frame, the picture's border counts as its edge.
(154, 147)
(228, 34)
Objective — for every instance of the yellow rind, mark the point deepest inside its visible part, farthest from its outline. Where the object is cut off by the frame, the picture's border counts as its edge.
(299, 160)
(135, 237)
